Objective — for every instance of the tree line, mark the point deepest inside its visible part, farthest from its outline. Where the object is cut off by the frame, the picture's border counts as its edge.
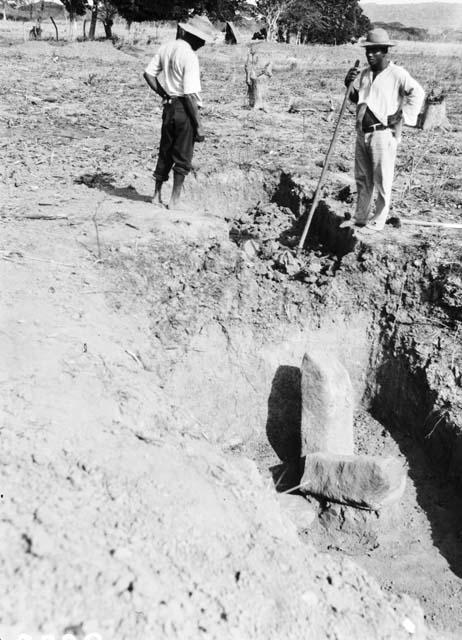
(317, 21)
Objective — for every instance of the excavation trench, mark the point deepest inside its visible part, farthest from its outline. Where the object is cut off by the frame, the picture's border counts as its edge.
(389, 379)
(132, 411)
(240, 378)
(234, 309)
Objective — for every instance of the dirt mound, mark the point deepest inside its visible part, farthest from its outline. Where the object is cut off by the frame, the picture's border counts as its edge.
(179, 543)
(125, 503)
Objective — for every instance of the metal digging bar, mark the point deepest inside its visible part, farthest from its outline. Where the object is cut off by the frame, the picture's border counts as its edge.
(326, 165)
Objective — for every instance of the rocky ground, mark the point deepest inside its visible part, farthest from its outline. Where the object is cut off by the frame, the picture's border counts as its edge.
(145, 353)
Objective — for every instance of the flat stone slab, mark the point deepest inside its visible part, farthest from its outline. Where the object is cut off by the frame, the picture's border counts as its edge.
(368, 482)
(327, 406)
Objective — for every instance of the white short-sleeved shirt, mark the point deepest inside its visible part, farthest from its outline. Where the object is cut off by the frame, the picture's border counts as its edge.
(391, 89)
(177, 67)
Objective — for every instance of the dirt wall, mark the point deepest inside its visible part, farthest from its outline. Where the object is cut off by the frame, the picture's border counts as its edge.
(240, 382)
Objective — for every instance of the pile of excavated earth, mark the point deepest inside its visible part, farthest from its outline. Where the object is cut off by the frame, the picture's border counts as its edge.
(206, 434)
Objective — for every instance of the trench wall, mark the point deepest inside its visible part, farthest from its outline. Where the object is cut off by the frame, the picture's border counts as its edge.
(400, 396)
(398, 392)
(228, 193)
(326, 225)
(242, 385)
(233, 378)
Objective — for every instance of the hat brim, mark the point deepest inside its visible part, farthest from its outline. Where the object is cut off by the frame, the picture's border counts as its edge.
(202, 35)
(366, 43)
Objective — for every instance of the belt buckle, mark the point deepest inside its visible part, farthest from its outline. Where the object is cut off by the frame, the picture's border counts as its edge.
(371, 128)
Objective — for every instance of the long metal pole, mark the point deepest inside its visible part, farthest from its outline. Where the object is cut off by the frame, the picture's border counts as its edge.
(314, 204)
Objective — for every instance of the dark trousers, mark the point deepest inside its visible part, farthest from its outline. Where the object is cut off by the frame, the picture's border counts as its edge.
(176, 141)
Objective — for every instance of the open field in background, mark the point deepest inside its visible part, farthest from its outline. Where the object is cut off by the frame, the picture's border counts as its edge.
(16, 29)
(428, 163)
(162, 31)
(134, 340)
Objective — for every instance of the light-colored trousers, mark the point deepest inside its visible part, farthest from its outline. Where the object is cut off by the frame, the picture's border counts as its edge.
(375, 157)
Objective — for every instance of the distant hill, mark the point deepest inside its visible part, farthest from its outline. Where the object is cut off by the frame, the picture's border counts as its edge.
(397, 31)
(34, 9)
(435, 16)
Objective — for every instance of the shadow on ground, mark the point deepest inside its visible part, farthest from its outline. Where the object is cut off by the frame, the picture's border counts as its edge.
(283, 426)
(403, 405)
(105, 182)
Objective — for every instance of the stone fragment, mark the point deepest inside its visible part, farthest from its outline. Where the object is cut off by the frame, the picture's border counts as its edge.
(357, 531)
(300, 510)
(409, 626)
(363, 481)
(250, 248)
(327, 406)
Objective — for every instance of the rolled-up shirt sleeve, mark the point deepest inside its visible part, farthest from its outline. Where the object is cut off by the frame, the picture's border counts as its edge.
(154, 68)
(191, 76)
(412, 99)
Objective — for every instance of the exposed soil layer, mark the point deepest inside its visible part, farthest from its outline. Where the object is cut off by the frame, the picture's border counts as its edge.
(149, 357)
(115, 489)
(412, 291)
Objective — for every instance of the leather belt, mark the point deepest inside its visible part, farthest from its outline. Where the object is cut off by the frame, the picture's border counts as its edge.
(375, 127)
(172, 99)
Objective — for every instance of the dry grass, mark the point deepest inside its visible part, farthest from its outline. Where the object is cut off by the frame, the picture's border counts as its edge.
(429, 163)
(139, 33)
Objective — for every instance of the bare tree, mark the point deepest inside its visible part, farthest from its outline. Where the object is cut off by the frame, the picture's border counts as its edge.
(18, 4)
(272, 11)
(4, 6)
(74, 8)
(107, 13)
(94, 19)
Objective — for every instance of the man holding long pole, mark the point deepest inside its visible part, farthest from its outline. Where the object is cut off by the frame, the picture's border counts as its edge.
(174, 75)
(387, 97)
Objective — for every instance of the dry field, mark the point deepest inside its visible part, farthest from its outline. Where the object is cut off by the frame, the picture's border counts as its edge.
(150, 360)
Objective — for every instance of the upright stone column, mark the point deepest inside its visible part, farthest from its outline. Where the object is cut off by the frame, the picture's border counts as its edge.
(327, 406)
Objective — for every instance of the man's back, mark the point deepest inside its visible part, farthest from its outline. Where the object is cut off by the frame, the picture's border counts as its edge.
(177, 67)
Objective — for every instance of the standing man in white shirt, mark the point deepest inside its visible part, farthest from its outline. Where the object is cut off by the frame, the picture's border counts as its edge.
(174, 75)
(387, 97)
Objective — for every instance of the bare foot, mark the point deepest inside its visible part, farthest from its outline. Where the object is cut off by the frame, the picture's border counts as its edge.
(157, 201)
(176, 205)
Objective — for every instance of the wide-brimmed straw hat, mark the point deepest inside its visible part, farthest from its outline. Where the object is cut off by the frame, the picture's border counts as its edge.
(377, 38)
(201, 27)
